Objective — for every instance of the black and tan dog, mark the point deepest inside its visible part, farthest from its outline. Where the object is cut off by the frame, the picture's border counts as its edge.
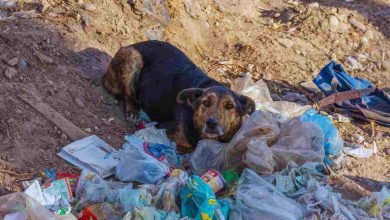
(161, 80)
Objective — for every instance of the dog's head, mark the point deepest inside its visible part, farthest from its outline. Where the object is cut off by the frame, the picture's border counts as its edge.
(218, 111)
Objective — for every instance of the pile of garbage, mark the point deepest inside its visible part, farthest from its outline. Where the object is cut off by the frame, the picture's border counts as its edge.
(275, 167)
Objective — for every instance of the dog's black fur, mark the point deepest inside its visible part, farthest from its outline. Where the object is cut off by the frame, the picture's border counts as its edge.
(156, 73)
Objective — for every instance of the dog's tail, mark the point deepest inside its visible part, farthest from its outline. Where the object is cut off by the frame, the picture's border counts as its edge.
(123, 72)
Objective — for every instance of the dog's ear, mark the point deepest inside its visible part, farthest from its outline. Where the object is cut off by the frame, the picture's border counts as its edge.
(248, 105)
(188, 96)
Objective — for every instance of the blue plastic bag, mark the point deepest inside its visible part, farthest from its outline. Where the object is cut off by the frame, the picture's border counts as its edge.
(197, 199)
(333, 143)
(358, 97)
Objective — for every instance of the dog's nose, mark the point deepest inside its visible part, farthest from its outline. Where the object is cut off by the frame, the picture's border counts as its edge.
(211, 123)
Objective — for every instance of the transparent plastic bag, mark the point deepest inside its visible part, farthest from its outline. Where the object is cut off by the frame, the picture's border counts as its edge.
(258, 199)
(136, 165)
(264, 143)
(23, 205)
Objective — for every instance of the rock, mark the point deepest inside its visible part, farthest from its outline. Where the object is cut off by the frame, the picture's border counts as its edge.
(79, 102)
(286, 16)
(80, 2)
(43, 58)
(23, 64)
(193, 8)
(64, 136)
(249, 68)
(386, 151)
(89, 7)
(13, 61)
(334, 21)
(357, 138)
(369, 34)
(364, 40)
(314, 5)
(311, 86)
(10, 73)
(286, 42)
(357, 24)
(386, 65)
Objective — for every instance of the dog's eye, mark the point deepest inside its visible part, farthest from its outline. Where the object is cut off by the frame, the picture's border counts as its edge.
(229, 106)
(207, 103)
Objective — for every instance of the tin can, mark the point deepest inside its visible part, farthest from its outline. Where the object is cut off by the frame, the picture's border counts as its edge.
(215, 180)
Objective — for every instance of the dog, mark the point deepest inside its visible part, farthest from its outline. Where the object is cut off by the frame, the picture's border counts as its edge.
(159, 79)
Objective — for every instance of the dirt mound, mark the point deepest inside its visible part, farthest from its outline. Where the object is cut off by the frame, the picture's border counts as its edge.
(54, 52)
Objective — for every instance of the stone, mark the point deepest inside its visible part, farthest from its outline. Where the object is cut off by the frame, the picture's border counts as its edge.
(193, 8)
(314, 5)
(386, 151)
(13, 61)
(334, 21)
(79, 102)
(386, 65)
(357, 24)
(64, 136)
(286, 16)
(286, 42)
(10, 73)
(357, 138)
(80, 2)
(369, 34)
(89, 7)
(23, 64)
(364, 40)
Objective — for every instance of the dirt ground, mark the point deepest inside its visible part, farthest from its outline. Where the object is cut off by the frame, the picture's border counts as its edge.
(55, 52)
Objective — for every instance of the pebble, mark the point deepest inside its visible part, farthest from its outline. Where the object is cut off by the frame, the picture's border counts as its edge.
(286, 16)
(80, 2)
(386, 65)
(79, 102)
(369, 34)
(333, 20)
(314, 5)
(89, 7)
(89, 130)
(386, 151)
(357, 138)
(357, 24)
(23, 64)
(13, 61)
(64, 136)
(286, 42)
(364, 40)
(10, 73)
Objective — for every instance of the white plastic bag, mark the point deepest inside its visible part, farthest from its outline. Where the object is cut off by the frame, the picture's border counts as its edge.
(22, 205)
(257, 199)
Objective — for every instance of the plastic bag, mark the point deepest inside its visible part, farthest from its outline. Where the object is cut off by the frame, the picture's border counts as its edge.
(197, 199)
(142, 162)
(257, 199)
(91, 188)
(299, 142)
(259, 92)
(207, 155)
(164, 194)
(333, 143)
(22, 204)
(264, 143)
(150, 213)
